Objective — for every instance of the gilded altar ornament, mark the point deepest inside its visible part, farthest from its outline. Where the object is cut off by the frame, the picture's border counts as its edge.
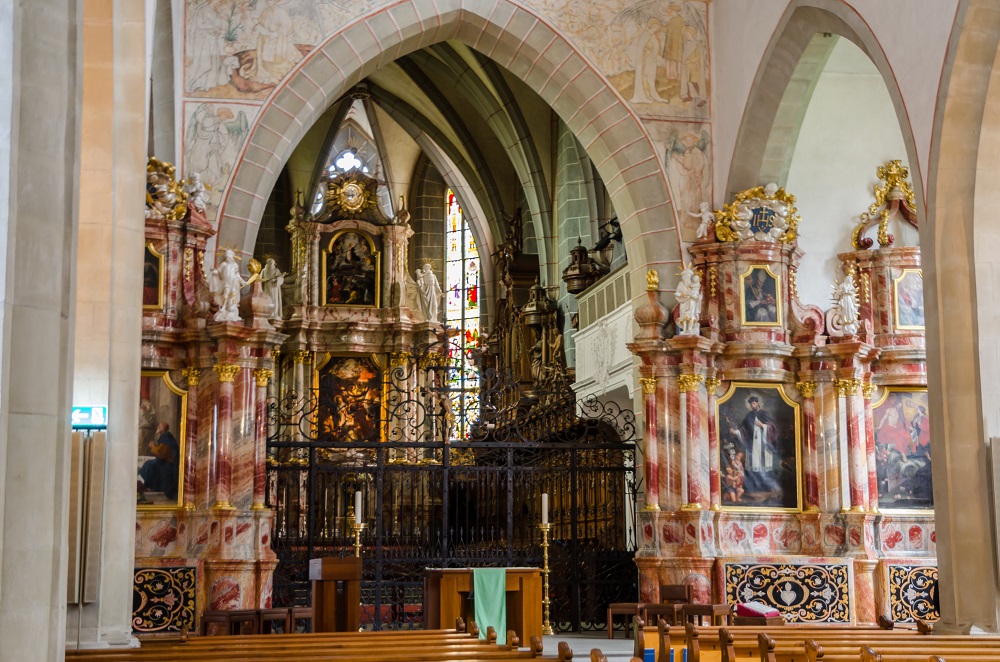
(192, 375)
(711, 384)
(226, 372)
(652, 281)
(868, 389)
(763, 213)
(301, 356)
(263, 376)
(807, 389)
(398, 359)
(165, 199)
(713, 275)
(689, 383)
(649, 384)
(846, 387)
(893, 188)
(350, 194)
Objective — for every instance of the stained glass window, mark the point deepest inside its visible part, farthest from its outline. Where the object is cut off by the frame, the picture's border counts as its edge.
(462, 315)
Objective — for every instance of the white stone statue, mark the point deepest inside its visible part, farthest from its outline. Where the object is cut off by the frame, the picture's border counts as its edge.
(845, 306)
(272, 279)
(226, 283)
(707, 217)
(196, 192)
(430, 293)
(689, 303)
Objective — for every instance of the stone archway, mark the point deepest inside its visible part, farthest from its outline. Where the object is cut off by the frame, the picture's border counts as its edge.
(515, 38)
(762, 127)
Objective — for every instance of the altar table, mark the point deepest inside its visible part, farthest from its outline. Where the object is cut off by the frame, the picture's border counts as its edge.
(446, 591)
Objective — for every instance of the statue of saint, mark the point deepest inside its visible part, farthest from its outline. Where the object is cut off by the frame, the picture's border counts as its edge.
(196, 191)
(226, 283)
(272, 279)
(430, 293)
(689, 302)
(845, 305)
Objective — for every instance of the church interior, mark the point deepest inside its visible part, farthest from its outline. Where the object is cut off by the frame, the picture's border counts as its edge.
(635, 299)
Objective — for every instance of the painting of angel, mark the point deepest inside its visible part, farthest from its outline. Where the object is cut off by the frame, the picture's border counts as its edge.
(903, 449)
(687, 158)
(213, 136)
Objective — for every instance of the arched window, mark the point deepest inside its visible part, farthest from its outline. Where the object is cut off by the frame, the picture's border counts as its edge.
(461, 315)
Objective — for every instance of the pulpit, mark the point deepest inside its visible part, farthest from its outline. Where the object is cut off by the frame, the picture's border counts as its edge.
(446, 591)
(336, 594)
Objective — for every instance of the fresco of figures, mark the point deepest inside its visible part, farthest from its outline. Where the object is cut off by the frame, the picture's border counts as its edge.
(687, 157)
(758, 448)
(213, 136)
(903, 449)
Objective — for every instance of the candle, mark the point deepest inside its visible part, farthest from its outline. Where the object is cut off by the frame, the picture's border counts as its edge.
(545, 508)
(357, 507)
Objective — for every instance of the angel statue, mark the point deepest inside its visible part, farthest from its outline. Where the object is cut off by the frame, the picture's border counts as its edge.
(689, 302)
(272, 279)
(225, 283)
(707, 217)
(430, 293)
(741, 221)
(196, 191)
(845, 306)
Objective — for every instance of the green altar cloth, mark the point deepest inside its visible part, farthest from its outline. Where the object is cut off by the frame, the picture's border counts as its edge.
(489, 595)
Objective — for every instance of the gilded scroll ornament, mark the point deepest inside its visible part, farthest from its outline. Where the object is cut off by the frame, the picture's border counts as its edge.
(893, 176)
(763, 213)
(165, 199)
(649, 384)
(226, 372)
(689, 383)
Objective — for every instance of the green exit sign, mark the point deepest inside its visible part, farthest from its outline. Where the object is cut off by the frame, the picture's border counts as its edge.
(89, 418)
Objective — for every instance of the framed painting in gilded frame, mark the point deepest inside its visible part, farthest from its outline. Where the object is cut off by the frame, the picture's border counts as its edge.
(903, 449)
(351, 398)
(908, 300)
(759, 448)
(160, 446)
(351, 268)
(760, 297)
(152, 279)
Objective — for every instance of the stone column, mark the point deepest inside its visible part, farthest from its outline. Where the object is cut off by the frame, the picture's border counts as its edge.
(811, 459)
(193, 376)
(847, 392)
(651, 464)
(687, 385)
(224, 436)
(262, 377)
(714, 486)
(867, 389)
(299, 360)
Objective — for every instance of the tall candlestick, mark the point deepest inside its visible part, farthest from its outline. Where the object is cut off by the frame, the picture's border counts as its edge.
(357, 507)
(545, 508)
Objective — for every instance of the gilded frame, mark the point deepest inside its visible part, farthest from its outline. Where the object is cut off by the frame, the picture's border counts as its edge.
(325, 255)
(777, 296)
(181, 428)
(895, 300)
(379, 362)
(876, 403)
(734, 388)
(159, 277)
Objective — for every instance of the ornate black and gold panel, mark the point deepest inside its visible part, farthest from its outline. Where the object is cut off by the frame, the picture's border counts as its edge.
(163, 600)
(913, 593)
(808, 593)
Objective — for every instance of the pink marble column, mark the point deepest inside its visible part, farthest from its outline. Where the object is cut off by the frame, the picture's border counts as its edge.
(193, 376)
(714, 487)
(687, 385)
(651, 463)
(260, 437)
(867, 389)
(224, 436)
(811, 459)
(847, 390)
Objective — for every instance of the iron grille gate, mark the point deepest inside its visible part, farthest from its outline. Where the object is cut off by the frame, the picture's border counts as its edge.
(469, 503)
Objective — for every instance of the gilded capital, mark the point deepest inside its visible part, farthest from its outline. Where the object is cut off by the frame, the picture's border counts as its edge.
(689, 383)
(847, 387)
(868, 389)
(807, 389)
(302, 356)
(227, 372)
(398, 359)
(193, 375)
(649, 384)
(711, 384)
(263, 376)
(276, 353)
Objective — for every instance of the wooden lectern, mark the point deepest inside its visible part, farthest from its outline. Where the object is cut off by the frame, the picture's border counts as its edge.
(446, 591)
(336, 594)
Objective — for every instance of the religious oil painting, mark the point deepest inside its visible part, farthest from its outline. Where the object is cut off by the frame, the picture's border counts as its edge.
(909, 300)
(761, 302)
(350, 270)
(152, 279)
(160, 454)
(759, 436)
(903, 449)
(350, 398)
